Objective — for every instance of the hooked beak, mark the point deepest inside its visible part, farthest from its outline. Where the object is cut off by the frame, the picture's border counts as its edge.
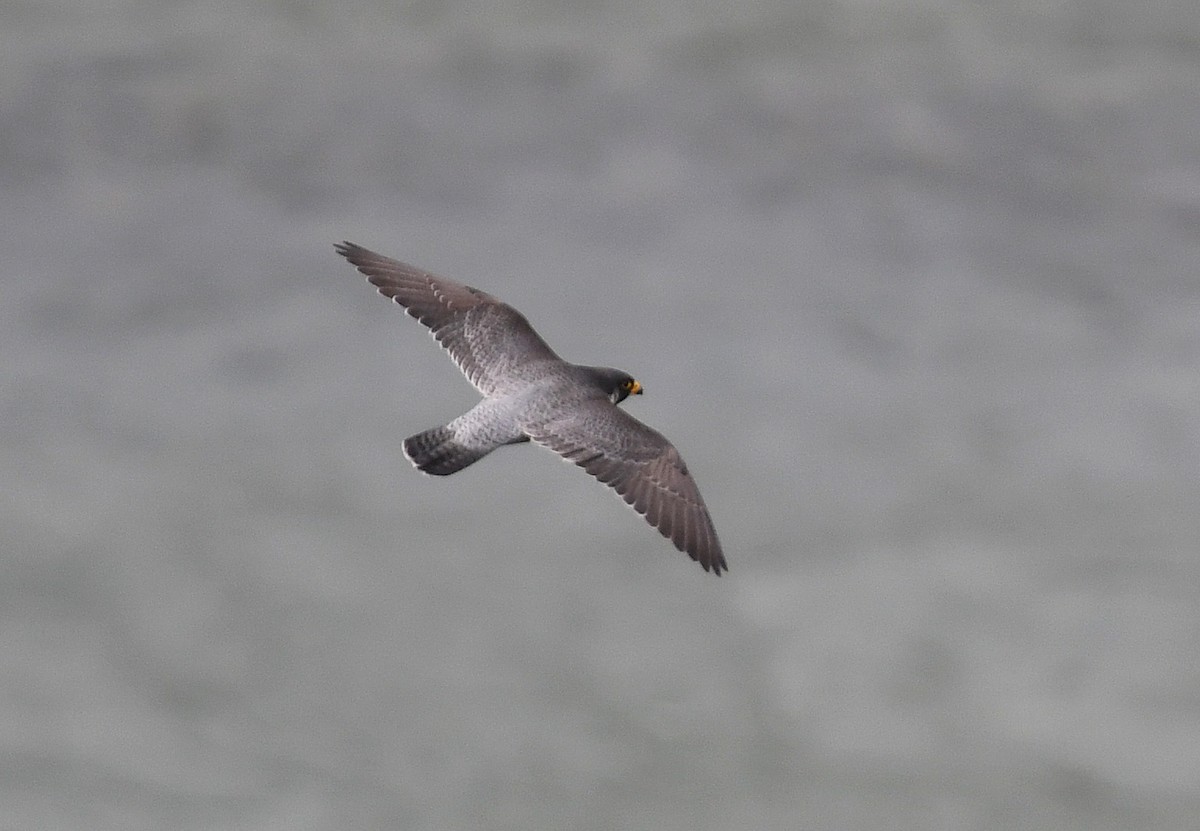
(636, 389)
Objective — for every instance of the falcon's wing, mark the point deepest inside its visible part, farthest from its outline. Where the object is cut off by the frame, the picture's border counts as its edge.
(640, 465)
(484, 336)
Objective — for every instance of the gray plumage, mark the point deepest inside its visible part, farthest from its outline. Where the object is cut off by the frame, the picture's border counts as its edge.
(531, 394)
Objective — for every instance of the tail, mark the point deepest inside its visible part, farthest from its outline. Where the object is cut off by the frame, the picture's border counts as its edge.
(436, 451)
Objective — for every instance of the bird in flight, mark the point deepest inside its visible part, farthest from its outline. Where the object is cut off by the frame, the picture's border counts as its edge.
(531, 394)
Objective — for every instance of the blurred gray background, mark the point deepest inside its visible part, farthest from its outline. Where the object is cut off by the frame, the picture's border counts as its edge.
(912, 285)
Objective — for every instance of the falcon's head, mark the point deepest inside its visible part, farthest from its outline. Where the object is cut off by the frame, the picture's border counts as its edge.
(627, 387)
(619, 385)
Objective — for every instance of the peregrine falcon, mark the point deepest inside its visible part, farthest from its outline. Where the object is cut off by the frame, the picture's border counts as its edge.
(529, 393)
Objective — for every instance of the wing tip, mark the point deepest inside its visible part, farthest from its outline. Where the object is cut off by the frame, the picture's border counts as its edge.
(709, 559)
(355, 253)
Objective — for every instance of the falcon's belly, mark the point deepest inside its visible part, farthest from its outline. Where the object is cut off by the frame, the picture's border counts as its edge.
(493, 422)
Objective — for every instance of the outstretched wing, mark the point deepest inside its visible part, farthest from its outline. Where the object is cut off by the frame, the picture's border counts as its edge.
(640, 465)
(488, 339)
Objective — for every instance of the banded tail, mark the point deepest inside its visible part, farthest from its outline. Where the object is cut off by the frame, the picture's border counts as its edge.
(437, 452)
